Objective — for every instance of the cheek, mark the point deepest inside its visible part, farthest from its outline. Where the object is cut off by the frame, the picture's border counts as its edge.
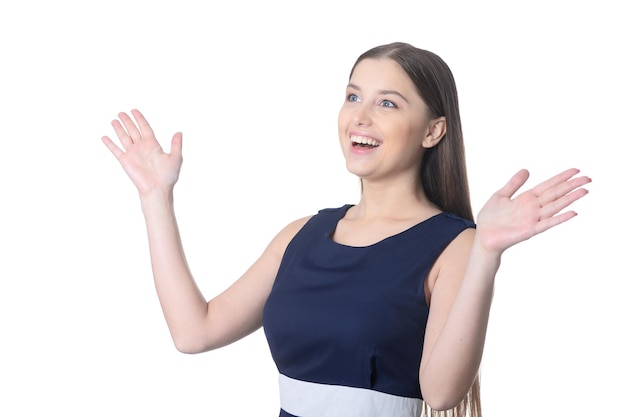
(343, 118)
(343, 123)
(416, 133)
(407, 138)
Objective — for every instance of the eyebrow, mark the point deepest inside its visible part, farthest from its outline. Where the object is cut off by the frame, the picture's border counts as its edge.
(387, 92)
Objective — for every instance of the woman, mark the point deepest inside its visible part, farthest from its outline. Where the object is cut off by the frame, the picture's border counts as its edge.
(368, 308)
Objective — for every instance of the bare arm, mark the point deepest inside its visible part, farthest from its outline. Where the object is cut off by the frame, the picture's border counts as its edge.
(195, 324)
(462, 281)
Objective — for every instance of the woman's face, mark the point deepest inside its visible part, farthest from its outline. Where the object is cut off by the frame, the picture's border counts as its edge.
(383, 123)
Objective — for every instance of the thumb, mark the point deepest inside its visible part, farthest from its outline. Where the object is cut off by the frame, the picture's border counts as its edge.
(177, 145)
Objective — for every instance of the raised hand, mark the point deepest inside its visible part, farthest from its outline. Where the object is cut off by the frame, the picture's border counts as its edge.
(505, 221)
(141, 155)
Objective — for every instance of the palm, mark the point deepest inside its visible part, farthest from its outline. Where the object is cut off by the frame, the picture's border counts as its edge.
(142, 157)
(505, 221)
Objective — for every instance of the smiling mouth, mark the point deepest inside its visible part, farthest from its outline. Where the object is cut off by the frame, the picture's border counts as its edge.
(364, 142)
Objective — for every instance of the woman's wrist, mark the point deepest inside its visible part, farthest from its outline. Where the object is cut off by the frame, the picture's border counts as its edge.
(158, 199)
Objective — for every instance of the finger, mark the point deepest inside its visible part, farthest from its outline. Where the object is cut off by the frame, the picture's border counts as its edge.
(549, 210)
(176, 149)
(122, 134)
(144, 126)
(561, 189)
(130, 127)
(554, 181)
(550, 222)
(514, 184)
(117, 152)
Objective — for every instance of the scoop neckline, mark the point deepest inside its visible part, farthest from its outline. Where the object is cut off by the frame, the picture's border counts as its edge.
(344, 210)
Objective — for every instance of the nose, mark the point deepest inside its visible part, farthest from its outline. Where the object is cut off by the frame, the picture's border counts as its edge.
(362, 116)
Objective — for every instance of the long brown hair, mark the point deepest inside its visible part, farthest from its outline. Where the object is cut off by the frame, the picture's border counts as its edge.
(443, 172)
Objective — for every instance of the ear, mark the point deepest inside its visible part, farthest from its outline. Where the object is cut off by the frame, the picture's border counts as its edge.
(436, 131)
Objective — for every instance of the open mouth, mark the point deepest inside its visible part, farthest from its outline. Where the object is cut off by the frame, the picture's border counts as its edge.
(364, 142)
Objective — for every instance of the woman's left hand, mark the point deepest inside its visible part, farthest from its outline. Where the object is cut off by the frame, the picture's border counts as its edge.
(505, 221)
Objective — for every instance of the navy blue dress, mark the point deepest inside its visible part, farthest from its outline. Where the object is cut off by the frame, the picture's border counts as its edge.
(345, 325)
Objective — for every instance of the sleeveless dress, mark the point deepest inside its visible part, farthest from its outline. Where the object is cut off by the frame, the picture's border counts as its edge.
(345, 325)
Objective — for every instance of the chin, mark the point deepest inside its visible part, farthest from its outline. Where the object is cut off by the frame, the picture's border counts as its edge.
(360, 172)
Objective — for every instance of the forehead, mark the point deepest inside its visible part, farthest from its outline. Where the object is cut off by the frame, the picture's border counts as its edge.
(381, 74)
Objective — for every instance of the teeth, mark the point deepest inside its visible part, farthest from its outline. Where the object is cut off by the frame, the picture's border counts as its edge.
(364, 141)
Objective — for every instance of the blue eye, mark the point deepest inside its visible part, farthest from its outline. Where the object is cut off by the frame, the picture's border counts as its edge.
(387, 103)
(352, 97)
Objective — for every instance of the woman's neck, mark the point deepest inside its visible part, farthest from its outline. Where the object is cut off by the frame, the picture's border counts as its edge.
(398, 200)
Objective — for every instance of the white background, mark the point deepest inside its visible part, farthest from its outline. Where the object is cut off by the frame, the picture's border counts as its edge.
(255, 87)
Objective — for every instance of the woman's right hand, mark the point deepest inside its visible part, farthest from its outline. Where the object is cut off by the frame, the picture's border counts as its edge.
(141, 155)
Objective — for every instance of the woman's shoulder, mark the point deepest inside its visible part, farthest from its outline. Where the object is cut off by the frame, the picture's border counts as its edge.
(343, 207)
(456, 219)
(287, 233)
(462, 233)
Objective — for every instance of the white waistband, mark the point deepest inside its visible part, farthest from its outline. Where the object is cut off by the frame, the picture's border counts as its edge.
(309, 399)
